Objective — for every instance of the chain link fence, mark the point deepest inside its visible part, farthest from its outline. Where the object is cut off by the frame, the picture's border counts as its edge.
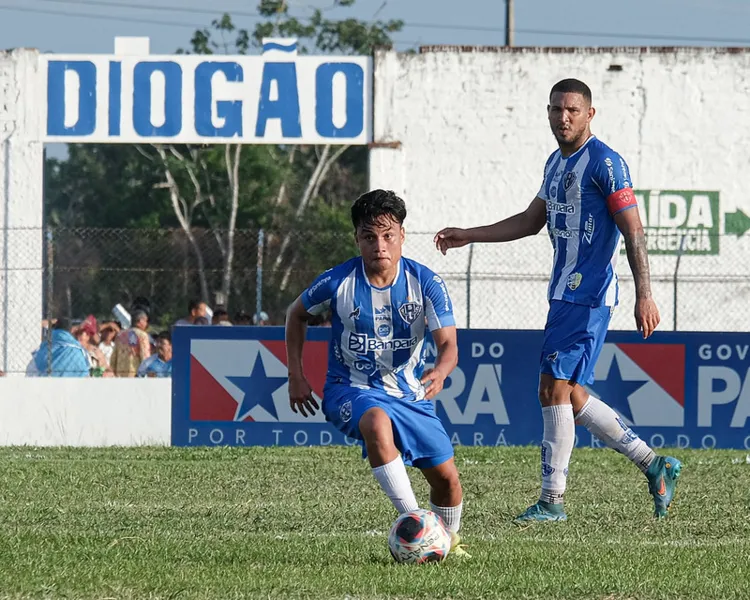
(74, 272)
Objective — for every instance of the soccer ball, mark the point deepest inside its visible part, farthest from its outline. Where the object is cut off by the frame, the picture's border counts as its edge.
(419, 536)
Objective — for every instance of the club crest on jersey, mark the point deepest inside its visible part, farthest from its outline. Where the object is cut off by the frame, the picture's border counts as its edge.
(569, 180)
(574, 280)
(410, 312)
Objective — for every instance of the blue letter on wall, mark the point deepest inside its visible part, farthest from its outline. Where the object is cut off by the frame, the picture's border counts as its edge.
(56, 98)
(286, 107)
(230, 111)
(172, 99)
(355, 78)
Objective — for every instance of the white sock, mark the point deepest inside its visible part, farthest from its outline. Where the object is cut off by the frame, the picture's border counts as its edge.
(557, 446)
(450, 514)
(395, 482)
(604, 423)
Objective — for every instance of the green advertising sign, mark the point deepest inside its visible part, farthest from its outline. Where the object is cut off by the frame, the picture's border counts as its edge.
(686, 218)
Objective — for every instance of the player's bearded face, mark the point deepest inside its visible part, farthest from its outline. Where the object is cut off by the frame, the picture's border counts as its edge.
(380, 244)
(569, 118)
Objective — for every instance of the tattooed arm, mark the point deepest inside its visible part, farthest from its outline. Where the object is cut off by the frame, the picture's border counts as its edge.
(646, 313)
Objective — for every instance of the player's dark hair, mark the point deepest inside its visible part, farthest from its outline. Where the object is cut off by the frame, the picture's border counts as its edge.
(374, 207)
(572, 86)
(165, 335)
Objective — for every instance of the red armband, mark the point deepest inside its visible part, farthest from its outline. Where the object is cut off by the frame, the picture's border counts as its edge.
(620, 200)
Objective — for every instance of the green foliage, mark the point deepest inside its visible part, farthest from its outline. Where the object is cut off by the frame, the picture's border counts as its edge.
(121, 186)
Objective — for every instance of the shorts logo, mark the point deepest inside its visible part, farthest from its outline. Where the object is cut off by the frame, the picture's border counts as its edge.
(410, 312)
(345, 412)
(569, 180)
(574, 280)
(552, 357)
(384, 330)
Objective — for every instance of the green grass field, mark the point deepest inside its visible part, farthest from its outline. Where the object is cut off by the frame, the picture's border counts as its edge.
(311, 523)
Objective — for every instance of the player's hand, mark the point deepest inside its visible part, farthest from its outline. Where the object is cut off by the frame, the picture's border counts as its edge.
(646, 316)
(435, 379)
(451, 237)
(301, 397)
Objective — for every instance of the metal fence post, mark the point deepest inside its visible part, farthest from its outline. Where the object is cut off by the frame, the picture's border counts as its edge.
(259, 275)
(674, 282)
(49, 298)
(468, 287)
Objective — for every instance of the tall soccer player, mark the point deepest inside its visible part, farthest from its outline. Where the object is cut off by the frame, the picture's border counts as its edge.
(377, 390)
(587, 203)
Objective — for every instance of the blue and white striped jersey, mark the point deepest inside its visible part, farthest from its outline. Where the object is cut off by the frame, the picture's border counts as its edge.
(583, 192)
(378, 334)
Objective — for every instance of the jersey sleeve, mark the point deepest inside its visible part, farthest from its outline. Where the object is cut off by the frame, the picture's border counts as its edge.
(317, 298)
(542, 193)
(437, 303)
(612, 176)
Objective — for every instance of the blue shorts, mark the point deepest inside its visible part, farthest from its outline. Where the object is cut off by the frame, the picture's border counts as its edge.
(417, 431)
(573, 339)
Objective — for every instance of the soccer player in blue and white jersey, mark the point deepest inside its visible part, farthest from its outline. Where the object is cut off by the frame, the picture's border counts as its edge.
(587, 202)
(377, 390)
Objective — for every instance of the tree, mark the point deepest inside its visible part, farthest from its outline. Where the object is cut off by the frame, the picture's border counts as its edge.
(213, 192)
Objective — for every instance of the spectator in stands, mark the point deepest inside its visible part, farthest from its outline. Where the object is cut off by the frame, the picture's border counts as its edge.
(160, 364)
(132, 347)
(196, 309)
(107, 333)
(68, 357)
(221, 316)
(87, 334)
(201, 321)
(242, 318)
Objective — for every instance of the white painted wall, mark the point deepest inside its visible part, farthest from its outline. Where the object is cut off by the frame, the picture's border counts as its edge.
(474, 138)
(85, 412)
(21, 184)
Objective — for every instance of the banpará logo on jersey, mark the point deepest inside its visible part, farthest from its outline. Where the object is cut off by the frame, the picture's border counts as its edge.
(625, 175)
(569, 180)
(361, 342)
(574, 280)
(561, 207)
(446, 299)
(611, 175)
(315, 287)
(410, 311)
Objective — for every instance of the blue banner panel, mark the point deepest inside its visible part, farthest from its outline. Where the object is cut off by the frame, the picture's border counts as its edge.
(675, 389)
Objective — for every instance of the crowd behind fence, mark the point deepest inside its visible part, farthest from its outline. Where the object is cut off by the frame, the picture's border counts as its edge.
(88, 271)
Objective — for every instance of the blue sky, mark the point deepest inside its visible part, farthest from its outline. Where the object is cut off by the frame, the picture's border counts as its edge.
(90, 26)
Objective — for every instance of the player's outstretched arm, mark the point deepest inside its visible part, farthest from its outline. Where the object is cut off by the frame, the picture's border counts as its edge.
(528, 222)
(446, 361)
(300, 393)
(646, 313)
